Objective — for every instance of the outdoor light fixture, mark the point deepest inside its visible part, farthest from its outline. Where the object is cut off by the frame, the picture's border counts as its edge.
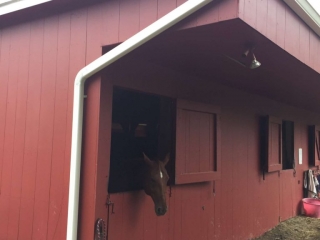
(246, 63)
(254, 63)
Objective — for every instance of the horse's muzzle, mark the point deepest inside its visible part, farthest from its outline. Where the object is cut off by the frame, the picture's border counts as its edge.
(160, 211)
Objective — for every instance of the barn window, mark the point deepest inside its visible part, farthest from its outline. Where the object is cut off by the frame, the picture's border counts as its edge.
(314, 145)
(140, 123)
(288, 145)
(277, 144)
(197, 142)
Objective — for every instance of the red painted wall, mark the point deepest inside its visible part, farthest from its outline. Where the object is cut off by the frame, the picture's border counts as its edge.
(38, 63)
(242, 204)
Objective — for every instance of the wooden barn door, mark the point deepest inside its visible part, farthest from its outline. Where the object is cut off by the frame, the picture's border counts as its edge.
(287, 194)
(131, 216)
(190, 215)
(131, 212)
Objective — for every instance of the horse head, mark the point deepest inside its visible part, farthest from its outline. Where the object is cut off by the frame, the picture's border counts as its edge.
(155, 183)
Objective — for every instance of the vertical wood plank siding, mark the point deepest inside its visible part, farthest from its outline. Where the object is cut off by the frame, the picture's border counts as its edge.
(19, 133)
(44, 153)
(57, 204)
(239, 206)
(9, 163)
(275, 20)
(32, 130)
(38, 63)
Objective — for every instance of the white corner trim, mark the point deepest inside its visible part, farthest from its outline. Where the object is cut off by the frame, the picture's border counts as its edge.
(306, 12)
(18, 5)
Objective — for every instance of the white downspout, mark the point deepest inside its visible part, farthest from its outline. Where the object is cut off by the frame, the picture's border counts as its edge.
(132, 43)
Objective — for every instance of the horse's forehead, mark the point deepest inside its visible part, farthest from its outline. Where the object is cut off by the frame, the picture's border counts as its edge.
(162, 167)
(159, 169)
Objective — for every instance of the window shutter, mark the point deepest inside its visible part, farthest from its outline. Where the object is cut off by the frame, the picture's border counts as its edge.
(197, 142)
(273, 144)
(314, 145)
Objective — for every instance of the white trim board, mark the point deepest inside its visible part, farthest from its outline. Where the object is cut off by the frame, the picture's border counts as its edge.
(18, 5)
(4, 1)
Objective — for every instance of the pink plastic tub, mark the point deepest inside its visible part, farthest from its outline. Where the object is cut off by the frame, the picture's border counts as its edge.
(311, 207)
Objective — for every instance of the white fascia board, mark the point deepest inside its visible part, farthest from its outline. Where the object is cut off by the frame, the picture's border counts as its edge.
(306, 12)
(4, 1)
(15, 6)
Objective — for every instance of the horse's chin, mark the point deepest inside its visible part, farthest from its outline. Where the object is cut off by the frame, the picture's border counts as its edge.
(160, 214)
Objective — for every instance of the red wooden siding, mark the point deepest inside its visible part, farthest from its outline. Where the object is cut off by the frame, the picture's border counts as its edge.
(274, 141)
(28, 183)
(58, 193)
(212, 13)
(275, 144)
(4, 67)
(11, 189)
(240, 205)
(38, 63)
(275, 20)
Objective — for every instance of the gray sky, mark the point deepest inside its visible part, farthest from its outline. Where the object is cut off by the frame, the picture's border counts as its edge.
(315, 4)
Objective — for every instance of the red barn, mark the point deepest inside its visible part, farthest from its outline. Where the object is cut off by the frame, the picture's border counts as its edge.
(238, 133)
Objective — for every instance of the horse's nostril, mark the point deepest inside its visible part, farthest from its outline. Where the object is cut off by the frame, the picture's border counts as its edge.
(161, 211)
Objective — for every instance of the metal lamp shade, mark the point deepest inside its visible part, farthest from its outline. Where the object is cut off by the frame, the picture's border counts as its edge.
(255, 63)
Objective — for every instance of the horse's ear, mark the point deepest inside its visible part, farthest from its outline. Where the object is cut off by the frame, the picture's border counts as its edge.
(166, 159)
(146, 159)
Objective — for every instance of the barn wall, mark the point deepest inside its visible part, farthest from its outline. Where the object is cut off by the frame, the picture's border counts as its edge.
(38, 63)
(36, 95)
(275, 20)
(242, 204)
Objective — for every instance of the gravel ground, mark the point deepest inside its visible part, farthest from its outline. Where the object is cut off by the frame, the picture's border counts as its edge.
(295, 228)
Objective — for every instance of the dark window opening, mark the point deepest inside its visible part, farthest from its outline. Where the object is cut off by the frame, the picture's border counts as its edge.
(140, 123)
(287, 145)
(314, 145)
(317, 138)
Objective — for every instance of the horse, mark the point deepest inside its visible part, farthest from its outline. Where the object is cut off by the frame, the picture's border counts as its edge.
(155, 183)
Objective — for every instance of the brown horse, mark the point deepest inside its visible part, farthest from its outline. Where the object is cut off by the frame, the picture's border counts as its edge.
(155, 183)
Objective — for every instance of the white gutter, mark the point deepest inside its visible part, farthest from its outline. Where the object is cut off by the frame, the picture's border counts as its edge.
(8, 6)
(132, 43)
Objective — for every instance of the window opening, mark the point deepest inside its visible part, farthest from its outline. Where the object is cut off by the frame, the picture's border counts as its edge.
(287, 145)
(140, 123)
(314, 145)
(317, 145)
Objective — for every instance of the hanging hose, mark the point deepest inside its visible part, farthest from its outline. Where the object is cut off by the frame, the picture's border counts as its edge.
(100, 233)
